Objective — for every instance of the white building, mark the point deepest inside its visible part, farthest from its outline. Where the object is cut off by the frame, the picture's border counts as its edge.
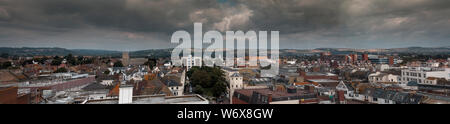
(235, 79)
(236, 82)
(433, 64)
(191, 61)
(382, 67)
(420, 75)
(349, 91)
(175, 83)
(379, 77)
(293, 62)
(107, 82)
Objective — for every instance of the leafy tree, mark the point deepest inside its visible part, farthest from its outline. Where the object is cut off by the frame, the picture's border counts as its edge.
(61, 70)
(151, 63)
(209, 81)
(70, 59)
(40, 60)
(57, 61)
(5, 65)
(106, 72)
(26, 62)
(118, 64)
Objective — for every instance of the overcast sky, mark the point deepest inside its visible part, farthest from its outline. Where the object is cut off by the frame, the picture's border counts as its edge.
(148, 24)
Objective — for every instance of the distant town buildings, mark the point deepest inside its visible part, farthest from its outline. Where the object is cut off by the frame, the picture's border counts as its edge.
(191, 61)
(424, 75)
(320, 78)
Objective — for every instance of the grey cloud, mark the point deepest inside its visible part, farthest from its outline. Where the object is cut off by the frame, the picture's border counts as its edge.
(351, 23)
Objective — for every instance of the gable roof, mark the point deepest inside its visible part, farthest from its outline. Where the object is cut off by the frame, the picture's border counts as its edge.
(7, 76)
(171, 80)
(236, 75)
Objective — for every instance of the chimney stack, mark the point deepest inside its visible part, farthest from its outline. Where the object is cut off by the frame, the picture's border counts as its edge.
(269, 98)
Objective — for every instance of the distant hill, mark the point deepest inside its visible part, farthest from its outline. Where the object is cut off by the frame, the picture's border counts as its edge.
(154, 53)
(27, 51)
(421, 50)
(409, 50)
(88, 52)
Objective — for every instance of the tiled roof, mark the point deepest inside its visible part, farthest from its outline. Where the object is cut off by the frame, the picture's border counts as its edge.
(153, 87)
(97, 86)
(236, 75)
(171, 80)
(398, 97)
(249, 95)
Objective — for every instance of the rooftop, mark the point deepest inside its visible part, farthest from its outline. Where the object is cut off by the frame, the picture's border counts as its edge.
(323, 80)
(156, 99)
(320, 74)
(274, 93)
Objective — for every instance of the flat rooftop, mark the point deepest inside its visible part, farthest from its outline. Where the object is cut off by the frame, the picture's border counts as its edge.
(156, 99)
(275, 94)
(323, 80)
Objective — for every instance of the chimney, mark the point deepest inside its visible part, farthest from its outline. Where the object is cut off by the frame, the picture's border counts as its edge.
(269, 98)
(341, 96)
(125, 94)
(366, 57)
(391, 60)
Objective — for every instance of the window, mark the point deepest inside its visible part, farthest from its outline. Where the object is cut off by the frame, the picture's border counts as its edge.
(386, 101)
(375, 99)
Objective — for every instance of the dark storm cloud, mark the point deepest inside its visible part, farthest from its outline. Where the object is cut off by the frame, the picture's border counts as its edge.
(127, 24)
(133, 15)
(294, 15)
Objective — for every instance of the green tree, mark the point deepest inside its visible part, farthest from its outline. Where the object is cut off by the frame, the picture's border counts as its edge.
(118, 64)
(209, 81)
(57, 61)
(71, 60)
(61, 70)
(107, 72)
(151, 63)
(5, 65)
